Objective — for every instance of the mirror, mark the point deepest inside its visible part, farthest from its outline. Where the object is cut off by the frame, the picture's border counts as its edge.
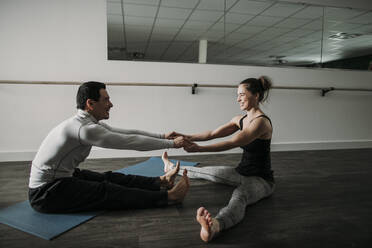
(239, 32)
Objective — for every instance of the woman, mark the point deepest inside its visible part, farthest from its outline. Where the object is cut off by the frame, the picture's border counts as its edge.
(253, 177)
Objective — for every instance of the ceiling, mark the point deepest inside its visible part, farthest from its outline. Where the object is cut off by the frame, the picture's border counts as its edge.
(255, 32)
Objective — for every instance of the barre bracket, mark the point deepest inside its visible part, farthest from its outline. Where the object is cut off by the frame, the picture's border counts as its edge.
(193, 88)
(326, 90)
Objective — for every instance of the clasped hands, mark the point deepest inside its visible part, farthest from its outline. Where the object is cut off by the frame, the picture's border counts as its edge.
(181, 140)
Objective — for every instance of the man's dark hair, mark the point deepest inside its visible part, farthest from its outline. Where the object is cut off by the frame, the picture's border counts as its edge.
(88, 90)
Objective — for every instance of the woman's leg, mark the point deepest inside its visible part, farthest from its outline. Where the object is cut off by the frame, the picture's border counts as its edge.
(250, 191)
(217, 174)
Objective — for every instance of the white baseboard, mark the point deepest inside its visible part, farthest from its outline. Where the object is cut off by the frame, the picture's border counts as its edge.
(7, 156)
(321, 145)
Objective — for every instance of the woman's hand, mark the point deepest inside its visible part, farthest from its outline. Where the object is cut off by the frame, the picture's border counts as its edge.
(191, 146)
(173, 135)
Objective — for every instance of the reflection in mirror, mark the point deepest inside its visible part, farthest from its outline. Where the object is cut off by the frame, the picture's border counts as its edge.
(244, 32)
(347, 38)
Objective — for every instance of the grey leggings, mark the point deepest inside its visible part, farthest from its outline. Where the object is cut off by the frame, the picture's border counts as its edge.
(248, 190)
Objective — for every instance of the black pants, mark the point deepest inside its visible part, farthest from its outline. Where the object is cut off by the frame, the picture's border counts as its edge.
(87, 191)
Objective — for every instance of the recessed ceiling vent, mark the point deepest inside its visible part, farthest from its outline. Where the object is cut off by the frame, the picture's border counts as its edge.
(278, 59)
(343, 36)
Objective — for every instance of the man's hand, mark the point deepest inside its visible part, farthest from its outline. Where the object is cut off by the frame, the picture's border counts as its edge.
(179, 142)
(173, 135)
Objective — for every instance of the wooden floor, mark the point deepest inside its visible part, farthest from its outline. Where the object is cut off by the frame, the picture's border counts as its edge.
(322, 199)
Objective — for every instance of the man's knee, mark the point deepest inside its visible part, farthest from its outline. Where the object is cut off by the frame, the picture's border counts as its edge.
(90, 175)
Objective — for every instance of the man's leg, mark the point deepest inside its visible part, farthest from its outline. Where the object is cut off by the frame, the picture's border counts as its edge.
(130, 181)
(76, 195)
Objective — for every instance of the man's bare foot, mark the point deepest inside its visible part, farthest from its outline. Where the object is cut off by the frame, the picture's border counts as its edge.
(168, 165)
(179, 191)
(169, 177)
(206, 222)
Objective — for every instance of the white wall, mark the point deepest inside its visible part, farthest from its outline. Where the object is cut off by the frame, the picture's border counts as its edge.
(46, 40)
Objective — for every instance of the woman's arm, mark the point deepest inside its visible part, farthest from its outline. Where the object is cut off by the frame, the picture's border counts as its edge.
(222, 131)
(255, 130)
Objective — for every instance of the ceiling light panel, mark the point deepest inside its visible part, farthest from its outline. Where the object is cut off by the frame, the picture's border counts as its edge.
(212, 36)
(136, 47)
(115, 19)
(282, 9)
(365, 18)
(206, 15)
(114, 8)
(141, 2)
(115, 38)
(168, 23)
(250, 7)
(189, 34)
(140, 10)
(133, 29)
(176, 49)
(167, 33)
(339, 14)
(228, 27)
(265, 21)
(189, 4)
(137, 20)
(174, 13)
(138, 37)
(237, 18)
(157, 48)
(310, 12)
(251, 29)
(218, 5)
(293, 23)
(197, 25)
(314, 25)
(300, 32)
(277, 31)
(342, 27)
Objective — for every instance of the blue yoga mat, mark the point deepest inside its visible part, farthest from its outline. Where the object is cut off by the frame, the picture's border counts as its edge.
(152, 167)
(48, 226)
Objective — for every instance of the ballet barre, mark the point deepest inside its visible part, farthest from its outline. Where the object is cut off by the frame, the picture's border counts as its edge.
(324, 90)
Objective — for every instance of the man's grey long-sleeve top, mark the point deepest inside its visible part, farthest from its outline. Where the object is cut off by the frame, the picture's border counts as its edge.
(69, 144)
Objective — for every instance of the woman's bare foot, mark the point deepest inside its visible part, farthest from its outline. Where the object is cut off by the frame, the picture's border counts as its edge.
(179, 191)
(208, 230)
(168, 165)
(167, 180)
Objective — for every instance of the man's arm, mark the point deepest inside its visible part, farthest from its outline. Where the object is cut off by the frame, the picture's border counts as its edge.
(98, 135)
(132, 131)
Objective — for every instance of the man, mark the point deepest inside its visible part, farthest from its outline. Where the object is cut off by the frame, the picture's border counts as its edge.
(56, 184)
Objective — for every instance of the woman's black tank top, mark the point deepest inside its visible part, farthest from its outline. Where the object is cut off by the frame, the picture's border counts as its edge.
(256, 159)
